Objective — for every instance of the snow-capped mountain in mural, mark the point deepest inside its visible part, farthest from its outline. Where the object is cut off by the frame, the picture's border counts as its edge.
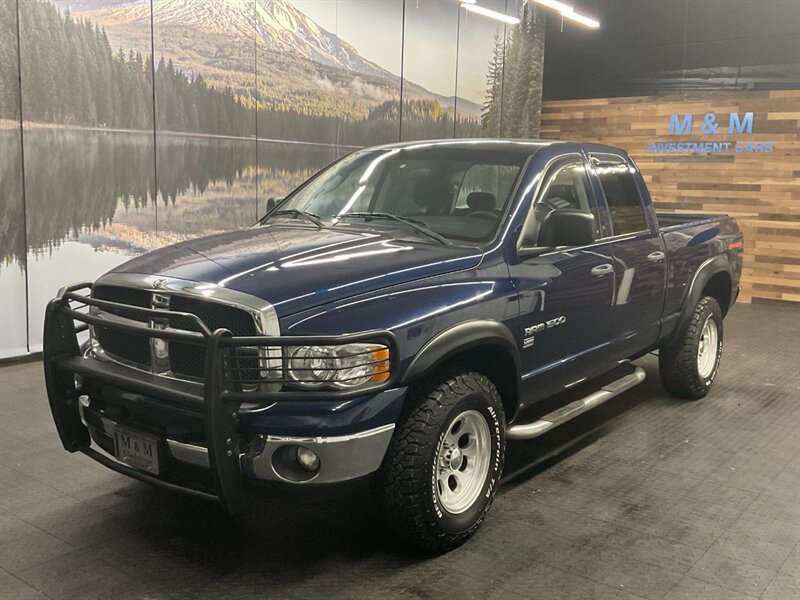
(280, 25)
(299, 61)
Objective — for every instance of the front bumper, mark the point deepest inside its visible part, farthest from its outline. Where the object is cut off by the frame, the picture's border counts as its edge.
(342, 458)
(205, 439)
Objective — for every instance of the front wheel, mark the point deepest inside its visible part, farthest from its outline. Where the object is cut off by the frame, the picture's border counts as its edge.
(689, 365)
(444, 463)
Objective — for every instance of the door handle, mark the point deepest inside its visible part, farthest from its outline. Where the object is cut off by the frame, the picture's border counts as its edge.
(604, 269)
(655, 256)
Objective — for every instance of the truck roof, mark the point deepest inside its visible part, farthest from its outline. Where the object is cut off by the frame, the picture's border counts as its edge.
(527, 147)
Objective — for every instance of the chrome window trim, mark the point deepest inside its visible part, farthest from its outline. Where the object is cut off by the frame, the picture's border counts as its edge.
(623, 237)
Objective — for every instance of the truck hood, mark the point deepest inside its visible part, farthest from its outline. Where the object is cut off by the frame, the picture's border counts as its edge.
(296, 268)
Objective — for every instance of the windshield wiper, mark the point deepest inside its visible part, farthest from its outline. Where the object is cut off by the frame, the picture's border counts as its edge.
(311, 217)
(413, 223)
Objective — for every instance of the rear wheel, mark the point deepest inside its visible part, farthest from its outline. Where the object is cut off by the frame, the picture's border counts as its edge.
(443, 465)
(689, 365)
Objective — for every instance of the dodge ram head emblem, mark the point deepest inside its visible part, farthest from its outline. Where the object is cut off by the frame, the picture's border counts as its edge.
(160, 284)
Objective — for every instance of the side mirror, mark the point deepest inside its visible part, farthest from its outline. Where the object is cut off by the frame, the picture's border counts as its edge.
(526, 252)
(567, 227)
(273, 202)
(561, 227)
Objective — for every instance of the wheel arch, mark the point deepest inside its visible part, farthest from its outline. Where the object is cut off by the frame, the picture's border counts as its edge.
(712, 278)
(719, 287)
(485, 346)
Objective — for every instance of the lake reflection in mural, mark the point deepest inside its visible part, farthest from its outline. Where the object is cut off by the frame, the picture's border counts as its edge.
(93, 201)
(209, 76)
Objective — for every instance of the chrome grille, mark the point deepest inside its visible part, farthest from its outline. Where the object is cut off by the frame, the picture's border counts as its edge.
(178, 359)
(188, 359)
(122, 345)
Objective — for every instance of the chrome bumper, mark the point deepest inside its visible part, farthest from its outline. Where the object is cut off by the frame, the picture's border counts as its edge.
(341, 458)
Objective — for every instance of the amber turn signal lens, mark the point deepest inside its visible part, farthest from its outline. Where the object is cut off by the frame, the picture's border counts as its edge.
(381, 358)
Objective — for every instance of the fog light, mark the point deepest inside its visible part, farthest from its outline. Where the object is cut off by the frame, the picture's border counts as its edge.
(78, 380)
(307, 458)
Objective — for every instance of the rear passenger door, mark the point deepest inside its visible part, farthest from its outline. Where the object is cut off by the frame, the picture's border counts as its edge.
(638, 252)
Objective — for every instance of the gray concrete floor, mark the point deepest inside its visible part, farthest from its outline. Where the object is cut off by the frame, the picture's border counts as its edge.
(646, 497)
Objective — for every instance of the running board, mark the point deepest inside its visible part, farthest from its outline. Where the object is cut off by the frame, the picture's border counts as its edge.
(578, 407)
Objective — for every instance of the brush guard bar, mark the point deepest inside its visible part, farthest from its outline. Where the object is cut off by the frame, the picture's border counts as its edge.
(218, 398)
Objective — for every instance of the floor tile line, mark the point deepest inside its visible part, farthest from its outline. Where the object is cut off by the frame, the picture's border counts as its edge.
(26, 584)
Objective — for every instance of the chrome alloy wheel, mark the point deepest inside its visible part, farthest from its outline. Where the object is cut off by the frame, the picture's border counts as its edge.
(707, 348)
(462, 462)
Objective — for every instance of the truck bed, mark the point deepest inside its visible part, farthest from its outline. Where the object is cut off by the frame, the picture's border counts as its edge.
(690, 240)
(668, 221)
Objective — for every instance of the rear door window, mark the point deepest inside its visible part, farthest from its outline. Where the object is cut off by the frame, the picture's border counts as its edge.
(622, 197)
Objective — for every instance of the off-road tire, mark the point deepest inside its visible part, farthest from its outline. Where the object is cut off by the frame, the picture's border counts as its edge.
(678, 362)
(408, 475)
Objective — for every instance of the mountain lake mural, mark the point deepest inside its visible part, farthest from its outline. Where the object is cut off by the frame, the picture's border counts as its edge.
(134, 129)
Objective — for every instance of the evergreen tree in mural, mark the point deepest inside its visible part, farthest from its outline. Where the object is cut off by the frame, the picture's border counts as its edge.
(513, 106)
(490, 110)
(73, 77)
(8, 61)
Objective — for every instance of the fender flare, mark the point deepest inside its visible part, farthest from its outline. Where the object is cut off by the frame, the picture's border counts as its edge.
(457, 338)
(704, 273)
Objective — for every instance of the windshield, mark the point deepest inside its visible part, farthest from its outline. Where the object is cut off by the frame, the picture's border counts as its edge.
(457, 194)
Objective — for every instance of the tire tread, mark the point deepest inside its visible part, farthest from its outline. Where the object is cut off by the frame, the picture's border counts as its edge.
(408, 513)
(677, 361)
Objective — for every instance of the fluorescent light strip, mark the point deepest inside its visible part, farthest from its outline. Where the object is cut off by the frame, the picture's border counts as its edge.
(573, 16)
(554, 4)
(568, 12)
(491, 14)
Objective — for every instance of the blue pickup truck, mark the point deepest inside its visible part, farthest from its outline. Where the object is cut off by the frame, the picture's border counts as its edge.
(394, 320)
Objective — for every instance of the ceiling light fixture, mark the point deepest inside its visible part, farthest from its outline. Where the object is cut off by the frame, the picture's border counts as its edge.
(578, 18)
(568, 12)
(490, 13)
(554, 4)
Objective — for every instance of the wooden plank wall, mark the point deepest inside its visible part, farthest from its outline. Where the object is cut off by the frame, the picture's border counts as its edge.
(762, 190)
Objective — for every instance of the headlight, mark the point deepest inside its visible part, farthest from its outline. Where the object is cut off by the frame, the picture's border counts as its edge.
(346, 366)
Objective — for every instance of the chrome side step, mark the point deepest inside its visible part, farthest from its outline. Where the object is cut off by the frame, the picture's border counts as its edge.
(573, 409)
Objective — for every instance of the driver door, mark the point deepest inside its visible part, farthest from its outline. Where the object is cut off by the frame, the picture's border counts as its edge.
(566, 293)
